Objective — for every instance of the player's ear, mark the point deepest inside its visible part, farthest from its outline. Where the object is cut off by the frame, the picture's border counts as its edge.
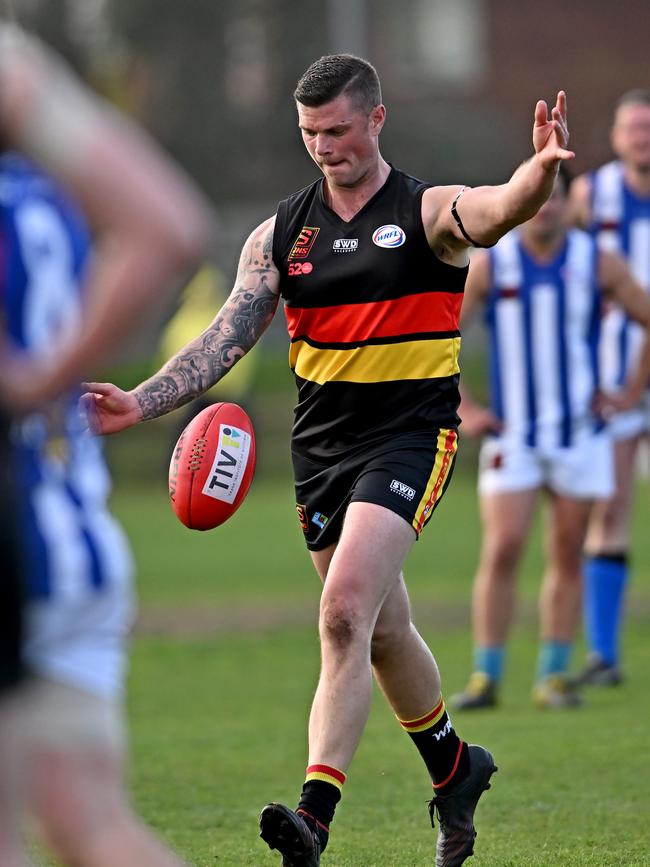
(377, 118)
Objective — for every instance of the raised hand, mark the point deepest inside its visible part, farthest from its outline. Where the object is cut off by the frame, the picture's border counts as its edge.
(108, 408)
(551, 136)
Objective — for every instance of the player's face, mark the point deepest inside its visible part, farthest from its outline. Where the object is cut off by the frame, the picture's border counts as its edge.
(631, 135)
(550, 221)
(342, 139)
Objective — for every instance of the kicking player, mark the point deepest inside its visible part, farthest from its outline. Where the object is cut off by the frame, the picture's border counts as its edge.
(613, 204)
(542, 288)
(64, 304)
(370, 264)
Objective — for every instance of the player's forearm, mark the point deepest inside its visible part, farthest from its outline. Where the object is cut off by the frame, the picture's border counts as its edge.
(488, 213)
(639, 378)
(526, 191)
(206, 360)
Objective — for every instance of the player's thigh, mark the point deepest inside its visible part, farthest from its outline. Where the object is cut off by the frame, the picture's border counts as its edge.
(368, 560)
(506, 519)
(322, 559)
(72, 744)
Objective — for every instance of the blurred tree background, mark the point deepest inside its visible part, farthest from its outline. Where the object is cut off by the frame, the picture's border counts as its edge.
(213, 79)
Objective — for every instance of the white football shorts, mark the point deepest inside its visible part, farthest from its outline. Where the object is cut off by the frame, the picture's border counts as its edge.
(76, 630)
(583, 471)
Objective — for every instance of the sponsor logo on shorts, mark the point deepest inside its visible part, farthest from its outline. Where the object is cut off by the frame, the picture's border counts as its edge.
(295, 269)
(304, 242)
(389, 236)
(225, 476)
(345, 245)
(319, 519)
(403, 490)
(302, 516)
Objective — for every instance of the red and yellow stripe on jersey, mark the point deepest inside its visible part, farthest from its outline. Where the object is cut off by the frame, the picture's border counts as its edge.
(414, 337)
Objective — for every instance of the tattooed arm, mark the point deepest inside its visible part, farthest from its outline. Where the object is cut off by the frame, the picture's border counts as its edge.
(205, 360)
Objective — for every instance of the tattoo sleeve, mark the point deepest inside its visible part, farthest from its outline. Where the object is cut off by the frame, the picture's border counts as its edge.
(237, 327)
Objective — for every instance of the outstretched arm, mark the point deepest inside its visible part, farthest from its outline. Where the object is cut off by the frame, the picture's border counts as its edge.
(485, 214)
(204, 361)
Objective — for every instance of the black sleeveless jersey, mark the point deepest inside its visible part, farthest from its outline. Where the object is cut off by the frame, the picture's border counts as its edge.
(373, 318)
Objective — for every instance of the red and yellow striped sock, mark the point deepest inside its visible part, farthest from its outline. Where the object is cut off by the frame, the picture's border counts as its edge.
(321, 793)
(444, 754)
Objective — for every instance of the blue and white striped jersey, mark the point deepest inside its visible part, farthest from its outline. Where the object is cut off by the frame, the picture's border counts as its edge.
(543, 323)
(620, 222)
(72, 545)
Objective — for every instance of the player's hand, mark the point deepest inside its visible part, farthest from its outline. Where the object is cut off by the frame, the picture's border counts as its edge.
(551, 135)
(606, 404)
(24, 382)
(108, 409)
(478, 420)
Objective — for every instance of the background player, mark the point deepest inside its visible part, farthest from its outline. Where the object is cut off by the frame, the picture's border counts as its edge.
(541, 288)
(64, 308)
(613, 203)
(374, 438)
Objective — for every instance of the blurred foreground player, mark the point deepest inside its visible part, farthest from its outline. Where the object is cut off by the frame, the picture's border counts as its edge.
(541, 288)
(65, 306)
(613, 204)
(371, 265)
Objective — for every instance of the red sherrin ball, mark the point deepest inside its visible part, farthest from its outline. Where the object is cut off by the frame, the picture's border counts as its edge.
(212, 466)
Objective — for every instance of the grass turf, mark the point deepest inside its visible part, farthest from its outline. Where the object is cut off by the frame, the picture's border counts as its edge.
(224, 666)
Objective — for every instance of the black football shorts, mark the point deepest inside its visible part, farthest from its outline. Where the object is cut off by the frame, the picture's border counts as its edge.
(407, 473)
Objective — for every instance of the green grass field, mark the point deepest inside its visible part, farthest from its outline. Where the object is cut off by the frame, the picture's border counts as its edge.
(225, 660)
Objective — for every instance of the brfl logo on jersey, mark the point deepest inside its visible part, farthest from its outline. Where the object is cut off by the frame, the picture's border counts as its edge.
(389, 236)
(345, 245)
(225, 476)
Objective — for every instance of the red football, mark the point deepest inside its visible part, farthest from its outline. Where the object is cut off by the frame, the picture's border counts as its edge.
(212, 466)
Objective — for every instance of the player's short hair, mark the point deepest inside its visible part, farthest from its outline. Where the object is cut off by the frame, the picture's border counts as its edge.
(636, 96)
(336, 74)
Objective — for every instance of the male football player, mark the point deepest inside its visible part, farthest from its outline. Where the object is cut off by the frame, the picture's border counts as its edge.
(65, 303)
(613, 204)
(370, 264)
(542, 288)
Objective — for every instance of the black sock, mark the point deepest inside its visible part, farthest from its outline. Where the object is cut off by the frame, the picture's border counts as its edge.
(318, 801)
(444, 754)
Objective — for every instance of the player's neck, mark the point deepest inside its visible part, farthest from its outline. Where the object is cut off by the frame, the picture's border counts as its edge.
(637, 179)
(346, 202)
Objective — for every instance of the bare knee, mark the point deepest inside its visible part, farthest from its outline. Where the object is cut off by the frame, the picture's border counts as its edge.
(500, 556)
(340, 625)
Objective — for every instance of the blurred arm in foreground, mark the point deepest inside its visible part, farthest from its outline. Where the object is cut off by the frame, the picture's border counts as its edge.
(151, 223)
